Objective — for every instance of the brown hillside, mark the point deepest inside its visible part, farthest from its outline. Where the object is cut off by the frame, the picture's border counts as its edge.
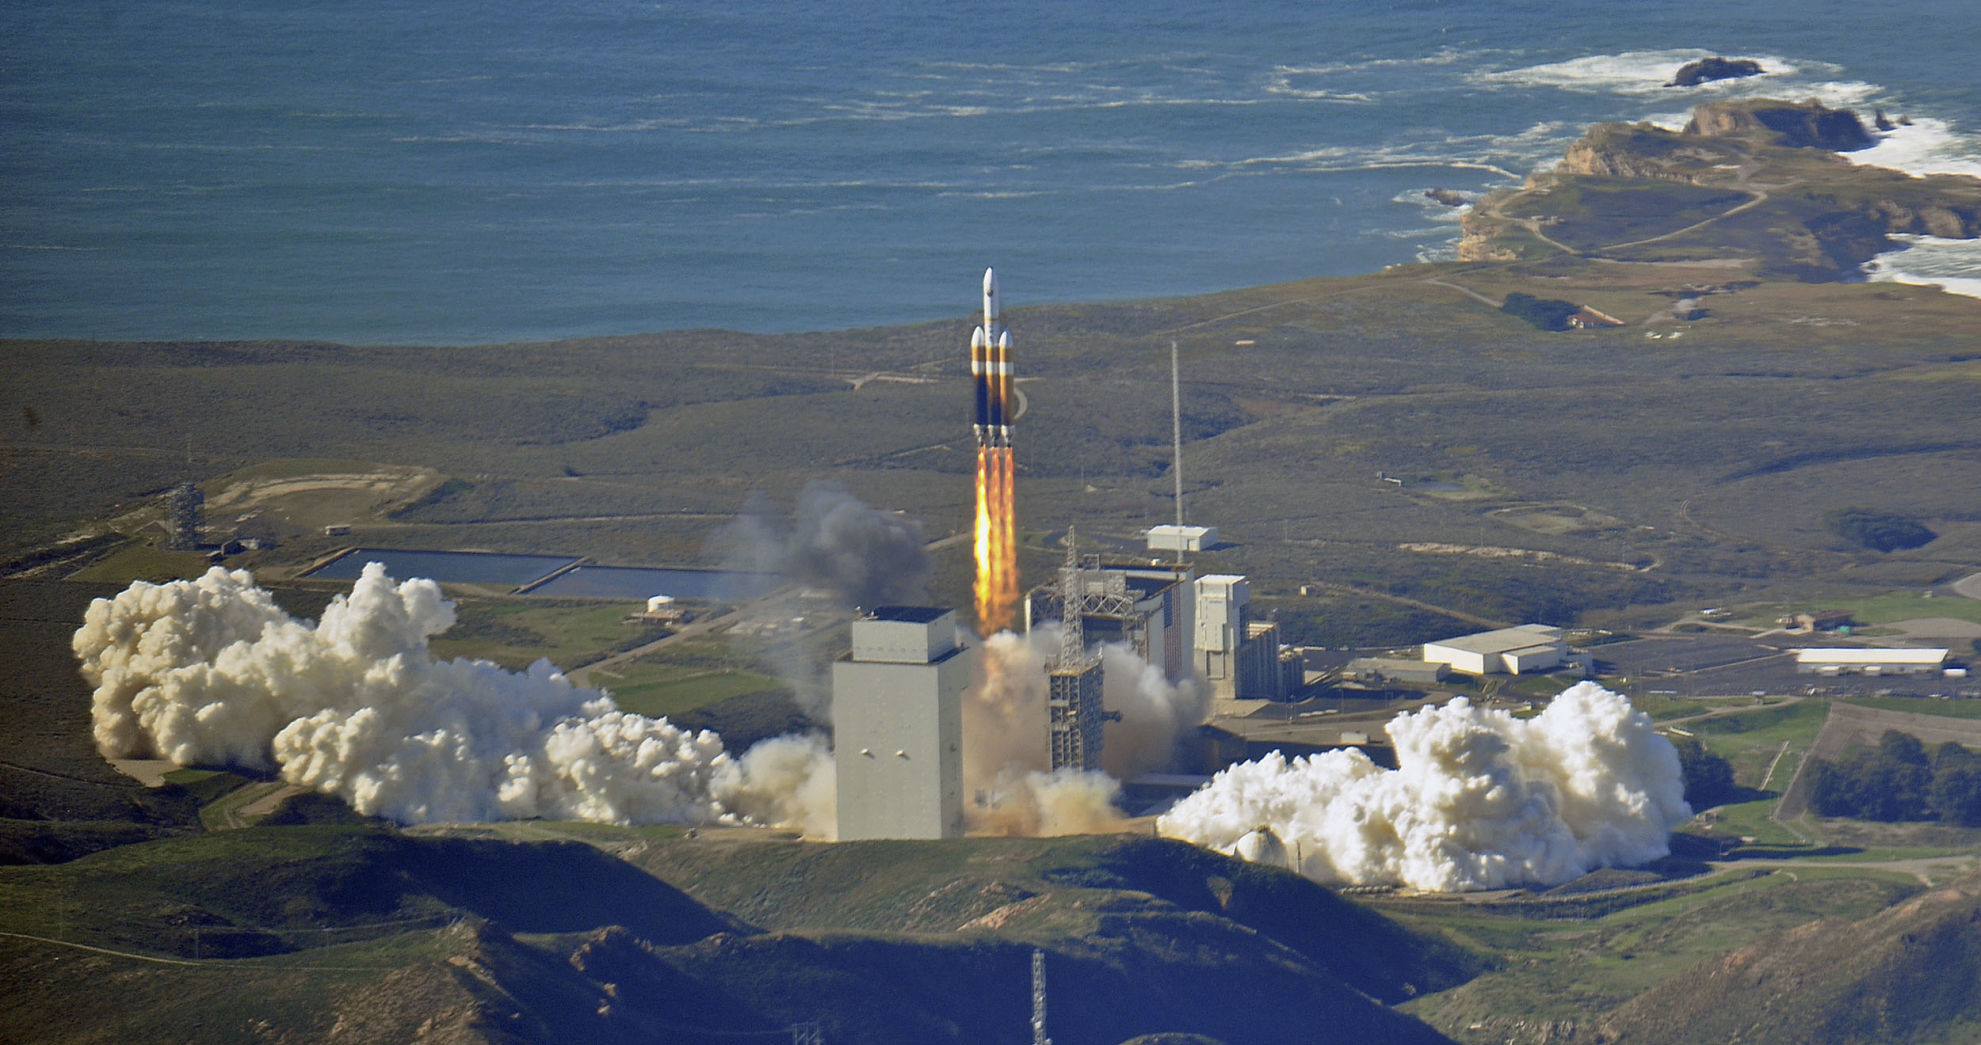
(1906, 974)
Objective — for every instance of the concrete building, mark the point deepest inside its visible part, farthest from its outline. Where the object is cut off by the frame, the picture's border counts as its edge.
(1223, 601)
(1151, 608)
(1514, 651)
(1238, 656)
(1380, 670)
(1263, 667)
(1850, 661)
(1170, 537)
(897, 711)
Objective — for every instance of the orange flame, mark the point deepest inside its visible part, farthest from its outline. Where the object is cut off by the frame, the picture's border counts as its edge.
(996, 550)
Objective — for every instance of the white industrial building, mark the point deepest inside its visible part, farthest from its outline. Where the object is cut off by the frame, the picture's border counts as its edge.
(1237, 655)
(1172, 537)
(1522, 650)
(897, 714)
(1857, 661)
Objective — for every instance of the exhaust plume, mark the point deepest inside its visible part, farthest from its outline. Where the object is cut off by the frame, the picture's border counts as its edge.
(212, 671)
(995, 543)
(1480, 800)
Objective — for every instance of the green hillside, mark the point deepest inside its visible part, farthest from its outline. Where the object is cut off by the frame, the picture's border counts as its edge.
(559, 941)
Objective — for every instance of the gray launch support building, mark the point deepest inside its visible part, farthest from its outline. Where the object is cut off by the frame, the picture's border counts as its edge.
(897, 720)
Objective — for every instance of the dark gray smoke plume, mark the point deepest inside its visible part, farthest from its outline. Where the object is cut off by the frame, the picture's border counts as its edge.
(834, 541)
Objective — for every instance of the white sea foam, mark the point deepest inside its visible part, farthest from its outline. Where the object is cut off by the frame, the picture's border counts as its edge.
(1954, 265)
(1442, 213)
(1632, 72)
(1926, 146)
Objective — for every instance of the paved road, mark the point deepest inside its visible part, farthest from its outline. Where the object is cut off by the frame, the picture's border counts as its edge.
(1924, 868)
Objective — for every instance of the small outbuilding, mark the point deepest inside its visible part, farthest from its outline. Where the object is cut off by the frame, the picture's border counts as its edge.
(1170, 537)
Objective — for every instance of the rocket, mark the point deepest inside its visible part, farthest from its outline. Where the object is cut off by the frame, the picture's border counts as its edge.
(990, 371)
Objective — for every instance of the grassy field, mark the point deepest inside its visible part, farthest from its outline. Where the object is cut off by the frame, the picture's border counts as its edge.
(1948, 708)
(1613, 449)
(516, 632)
(665, 689)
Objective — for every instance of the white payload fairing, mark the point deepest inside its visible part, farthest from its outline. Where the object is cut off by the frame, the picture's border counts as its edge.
(990, 371)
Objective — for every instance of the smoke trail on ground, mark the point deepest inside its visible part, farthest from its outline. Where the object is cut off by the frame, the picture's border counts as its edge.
(1480, 800)
(212, 671)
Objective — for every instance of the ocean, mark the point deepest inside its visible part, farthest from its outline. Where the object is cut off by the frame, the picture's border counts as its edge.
(443, 171)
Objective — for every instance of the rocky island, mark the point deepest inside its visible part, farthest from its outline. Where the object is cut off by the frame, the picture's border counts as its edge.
(1706, 70)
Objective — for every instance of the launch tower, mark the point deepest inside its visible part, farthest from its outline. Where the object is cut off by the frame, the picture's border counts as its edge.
(1073, 682)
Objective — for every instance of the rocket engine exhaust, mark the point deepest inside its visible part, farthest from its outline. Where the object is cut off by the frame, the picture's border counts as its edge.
(996, 550)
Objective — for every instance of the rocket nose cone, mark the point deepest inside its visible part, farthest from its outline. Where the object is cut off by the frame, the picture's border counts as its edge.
(990, 281)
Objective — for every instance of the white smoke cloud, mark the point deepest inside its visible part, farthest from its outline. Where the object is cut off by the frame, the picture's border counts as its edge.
(1039, 804)
(1481, 800)
(212, 671)
(1007, 773)
(1006, 761)
(1156, 715)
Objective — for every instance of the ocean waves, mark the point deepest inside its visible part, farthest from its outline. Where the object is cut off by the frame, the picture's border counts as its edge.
(686, 165)
(1953, 265)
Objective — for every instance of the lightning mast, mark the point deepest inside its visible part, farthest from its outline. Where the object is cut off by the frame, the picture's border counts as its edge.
(1176, 435)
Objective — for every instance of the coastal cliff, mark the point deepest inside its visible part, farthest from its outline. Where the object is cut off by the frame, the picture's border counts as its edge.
(1759, 182)
(1803, 125)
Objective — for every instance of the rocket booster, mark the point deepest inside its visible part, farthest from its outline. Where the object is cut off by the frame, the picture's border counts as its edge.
(990, 371)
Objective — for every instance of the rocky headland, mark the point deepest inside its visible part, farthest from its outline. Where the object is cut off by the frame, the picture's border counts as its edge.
(1757, 182)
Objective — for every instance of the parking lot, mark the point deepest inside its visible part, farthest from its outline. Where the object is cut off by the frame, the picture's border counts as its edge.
(1722, 665)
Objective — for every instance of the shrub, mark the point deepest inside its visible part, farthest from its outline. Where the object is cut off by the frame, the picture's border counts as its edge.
(1879, 531)
(1543, 313)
